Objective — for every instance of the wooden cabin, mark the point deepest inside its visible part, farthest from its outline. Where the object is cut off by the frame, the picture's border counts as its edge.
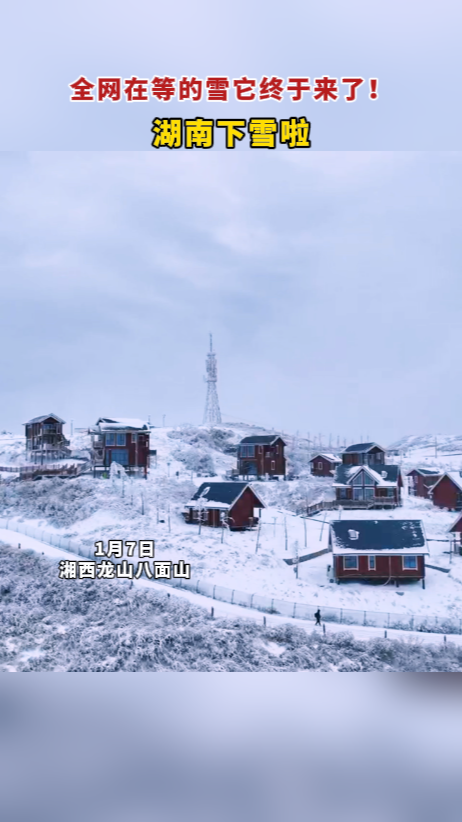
(447, 491)
(388, 550)
(360, 486)
(261, 457)
(45, 440)
(324, 465)
(421, 480)
(364, 453)
(234, 504)
(120, 440)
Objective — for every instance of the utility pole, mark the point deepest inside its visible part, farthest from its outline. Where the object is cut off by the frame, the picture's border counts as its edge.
(304, 526)
(285, 532)
(258, 535)
(296, 557)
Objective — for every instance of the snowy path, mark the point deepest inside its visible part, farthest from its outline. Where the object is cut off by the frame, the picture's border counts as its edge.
(224, 609)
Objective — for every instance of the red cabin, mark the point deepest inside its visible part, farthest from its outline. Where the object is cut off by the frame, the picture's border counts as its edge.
(324, 465)
(261, 456)
(447, 491)
(234, 504)
(360, 486)
(421, 480)
(120, 440)
(383, 550)
(364, 453)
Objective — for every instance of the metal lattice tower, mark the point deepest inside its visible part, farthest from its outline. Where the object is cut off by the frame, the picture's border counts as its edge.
(212, 414)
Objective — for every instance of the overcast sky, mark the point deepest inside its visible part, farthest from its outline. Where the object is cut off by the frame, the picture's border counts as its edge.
(331, 283)
(412, 47)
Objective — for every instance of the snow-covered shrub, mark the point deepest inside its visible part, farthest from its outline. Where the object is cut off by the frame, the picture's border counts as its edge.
(196, 460)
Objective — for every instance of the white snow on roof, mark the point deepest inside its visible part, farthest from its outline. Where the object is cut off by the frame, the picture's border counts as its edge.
(376, 476)
(196, 503)
(106, 423)
(330, 457)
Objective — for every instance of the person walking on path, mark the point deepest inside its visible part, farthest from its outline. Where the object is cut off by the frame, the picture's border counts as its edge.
(317, 617)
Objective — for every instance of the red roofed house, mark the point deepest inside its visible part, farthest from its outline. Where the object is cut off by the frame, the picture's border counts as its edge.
(447, 491)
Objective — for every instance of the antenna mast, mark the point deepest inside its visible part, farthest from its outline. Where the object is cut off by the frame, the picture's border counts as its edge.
(212, 415)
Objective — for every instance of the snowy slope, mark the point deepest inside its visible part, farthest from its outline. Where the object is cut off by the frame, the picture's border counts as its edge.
(94, 509)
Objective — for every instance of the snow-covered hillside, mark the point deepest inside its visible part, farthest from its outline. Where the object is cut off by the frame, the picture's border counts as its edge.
(119, 508)
(441, 451)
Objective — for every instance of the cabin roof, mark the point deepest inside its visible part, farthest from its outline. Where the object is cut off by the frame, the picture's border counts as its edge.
(267, 439)
(121, 424)
(224, 493)
(426, 472)
(362, 448)
(456, 522)
(355, 536)
(43, 418)
(329, 457)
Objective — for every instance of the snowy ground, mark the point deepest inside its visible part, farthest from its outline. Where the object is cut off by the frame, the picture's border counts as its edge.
(112, 626)
(96, 509)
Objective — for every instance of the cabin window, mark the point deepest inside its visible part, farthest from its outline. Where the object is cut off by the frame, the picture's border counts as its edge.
(110, 439)
(319, 466)
(350, 563)
(273, 465)
(390, 492)
(363, 478)
(247, 450)
(410, 563)
(342, 493)
(120, 439)
(134, 437)
(277, 449)
(260, 449)
(371, 562)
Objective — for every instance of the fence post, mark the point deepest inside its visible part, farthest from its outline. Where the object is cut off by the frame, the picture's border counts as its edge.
(251, 600)
(213, 594)
(364, 623)
(295, 608)
(272, 605)
(341, 615)
(388, 623)
(232, 596)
